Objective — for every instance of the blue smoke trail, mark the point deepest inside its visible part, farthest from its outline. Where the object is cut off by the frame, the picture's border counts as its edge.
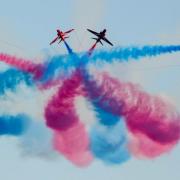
(98, 98)
(64, 64)
(70, 51)
(110, 143)
(60, 66)
(11, 78)
(120, 54)
(56, 66)
(13, 125)
(105, 118)
(108, 138)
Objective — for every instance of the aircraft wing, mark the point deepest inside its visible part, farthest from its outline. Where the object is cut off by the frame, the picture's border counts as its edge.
(93, 32)
(54, 40)
(69, 31)
(106, 40)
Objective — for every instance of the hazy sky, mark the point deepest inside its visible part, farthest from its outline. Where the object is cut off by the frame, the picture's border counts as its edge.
(27, 27)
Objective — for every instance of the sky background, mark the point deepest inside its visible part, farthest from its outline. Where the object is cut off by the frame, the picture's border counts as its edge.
(26, 29)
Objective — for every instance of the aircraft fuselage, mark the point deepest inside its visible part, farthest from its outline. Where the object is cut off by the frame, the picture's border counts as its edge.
(102, 34)
(60, 34)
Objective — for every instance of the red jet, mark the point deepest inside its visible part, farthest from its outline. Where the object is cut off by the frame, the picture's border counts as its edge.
(61, 35)
(100, 36)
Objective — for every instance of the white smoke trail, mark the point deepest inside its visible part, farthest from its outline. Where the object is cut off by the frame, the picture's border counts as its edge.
(26, 100)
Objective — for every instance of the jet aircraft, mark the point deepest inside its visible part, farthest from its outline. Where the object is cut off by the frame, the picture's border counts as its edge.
(100, 36)
(61, 36)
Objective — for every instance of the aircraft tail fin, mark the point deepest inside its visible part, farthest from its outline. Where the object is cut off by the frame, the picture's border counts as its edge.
(101, 42)
(95, 39)
(59, 41)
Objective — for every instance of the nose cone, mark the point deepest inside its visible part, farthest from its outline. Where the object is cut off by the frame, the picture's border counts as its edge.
(58, 30)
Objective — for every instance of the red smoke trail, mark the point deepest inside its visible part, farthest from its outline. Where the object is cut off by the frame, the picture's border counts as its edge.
(22, 64)
(74, 144)
(143, 146)
(155, 124)
(90, 51)
(60, 112)
(70, 138)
